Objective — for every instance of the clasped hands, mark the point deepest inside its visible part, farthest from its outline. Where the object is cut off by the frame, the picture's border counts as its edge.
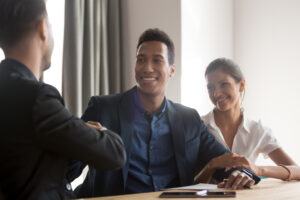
(237, 179)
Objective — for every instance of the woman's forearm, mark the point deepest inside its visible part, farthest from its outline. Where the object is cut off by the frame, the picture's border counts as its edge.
(280, 172)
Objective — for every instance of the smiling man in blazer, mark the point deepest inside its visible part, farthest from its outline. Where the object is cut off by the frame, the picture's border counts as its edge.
(166, 142)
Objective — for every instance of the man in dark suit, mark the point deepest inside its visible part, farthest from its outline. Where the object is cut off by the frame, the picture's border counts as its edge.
(38, 135)
(166, 143)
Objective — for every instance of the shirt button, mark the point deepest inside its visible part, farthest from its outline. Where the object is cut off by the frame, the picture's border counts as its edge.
(151, 147)
(150, 171)
(68, 186)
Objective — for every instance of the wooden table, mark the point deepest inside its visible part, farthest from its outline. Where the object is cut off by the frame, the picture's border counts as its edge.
(267, 189)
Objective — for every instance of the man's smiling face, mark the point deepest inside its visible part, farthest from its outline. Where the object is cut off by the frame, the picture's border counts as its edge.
(152, 69)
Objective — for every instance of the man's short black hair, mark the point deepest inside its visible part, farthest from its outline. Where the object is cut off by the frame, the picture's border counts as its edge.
(159, 35)
(18, 17)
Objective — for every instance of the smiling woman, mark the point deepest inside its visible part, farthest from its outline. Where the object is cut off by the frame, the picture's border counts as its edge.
(239, 134)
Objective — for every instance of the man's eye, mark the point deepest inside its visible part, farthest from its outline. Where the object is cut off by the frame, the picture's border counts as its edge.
(157, 61)
(140, 60)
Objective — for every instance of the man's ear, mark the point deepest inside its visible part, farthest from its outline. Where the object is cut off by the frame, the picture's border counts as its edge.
(172, 70)
(42, 29)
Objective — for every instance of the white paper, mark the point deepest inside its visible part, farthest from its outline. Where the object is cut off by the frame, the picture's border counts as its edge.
(200, 186)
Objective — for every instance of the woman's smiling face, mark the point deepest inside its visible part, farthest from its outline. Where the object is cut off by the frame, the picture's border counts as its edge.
(224, 91)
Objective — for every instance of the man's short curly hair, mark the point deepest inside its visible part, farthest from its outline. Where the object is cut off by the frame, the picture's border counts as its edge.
(159, 35)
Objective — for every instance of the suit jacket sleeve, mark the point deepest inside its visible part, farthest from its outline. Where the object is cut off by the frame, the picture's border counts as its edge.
(57, 130)
(209, 146)
(90, 114)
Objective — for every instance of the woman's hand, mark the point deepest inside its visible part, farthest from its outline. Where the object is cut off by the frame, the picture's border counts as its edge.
(244, 162)
(225, 161)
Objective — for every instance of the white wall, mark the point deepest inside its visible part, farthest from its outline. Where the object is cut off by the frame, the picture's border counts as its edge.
(139, 15)
(56, 12)
(207, 33)
(1, 54)
(267, 46)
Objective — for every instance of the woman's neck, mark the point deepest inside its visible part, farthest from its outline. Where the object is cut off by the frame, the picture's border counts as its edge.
(231, 117)
(228, 123)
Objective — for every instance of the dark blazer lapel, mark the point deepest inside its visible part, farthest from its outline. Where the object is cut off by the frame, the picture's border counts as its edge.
(177, 131)
(126, 129)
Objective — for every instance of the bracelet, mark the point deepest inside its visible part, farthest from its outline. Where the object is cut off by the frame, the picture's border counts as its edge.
(289, 171)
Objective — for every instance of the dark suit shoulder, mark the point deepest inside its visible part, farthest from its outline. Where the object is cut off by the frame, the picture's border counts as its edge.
(48, 91)
(107, 99)
(104, 108)
(113, 98)
(183, 110)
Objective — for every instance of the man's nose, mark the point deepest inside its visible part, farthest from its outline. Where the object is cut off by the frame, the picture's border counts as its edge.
(148, 67)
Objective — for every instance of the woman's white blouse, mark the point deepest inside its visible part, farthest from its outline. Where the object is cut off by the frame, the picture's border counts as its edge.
(251, 138)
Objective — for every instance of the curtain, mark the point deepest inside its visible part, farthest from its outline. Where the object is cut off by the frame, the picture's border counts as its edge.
(92, 51)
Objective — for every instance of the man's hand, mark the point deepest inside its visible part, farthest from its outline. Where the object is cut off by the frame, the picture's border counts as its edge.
(95, 125)
(237, 180)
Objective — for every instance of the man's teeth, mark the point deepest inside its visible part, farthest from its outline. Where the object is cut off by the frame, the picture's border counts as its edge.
(148, 79)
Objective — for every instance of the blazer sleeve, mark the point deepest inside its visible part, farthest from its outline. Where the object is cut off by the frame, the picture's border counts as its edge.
(209, 146)
(57, 130)
(90, 114)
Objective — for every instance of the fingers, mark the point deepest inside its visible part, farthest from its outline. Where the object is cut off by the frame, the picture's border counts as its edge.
(239, 162)
(222, 184)
(237, 183)
(246, 182)
(228, 168)
(231, 179)
(250, 183)
(239, 180)
(94, 125)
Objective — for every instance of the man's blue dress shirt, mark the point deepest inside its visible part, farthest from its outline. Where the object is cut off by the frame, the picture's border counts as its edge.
(152, 164)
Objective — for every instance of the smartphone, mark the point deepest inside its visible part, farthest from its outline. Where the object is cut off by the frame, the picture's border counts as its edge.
(200, 194)
(221, 194)
(178, 195)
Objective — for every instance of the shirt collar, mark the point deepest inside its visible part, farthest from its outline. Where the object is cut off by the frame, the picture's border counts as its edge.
(211, 119)
(18, 69)
(244, 125)
(159, 113)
